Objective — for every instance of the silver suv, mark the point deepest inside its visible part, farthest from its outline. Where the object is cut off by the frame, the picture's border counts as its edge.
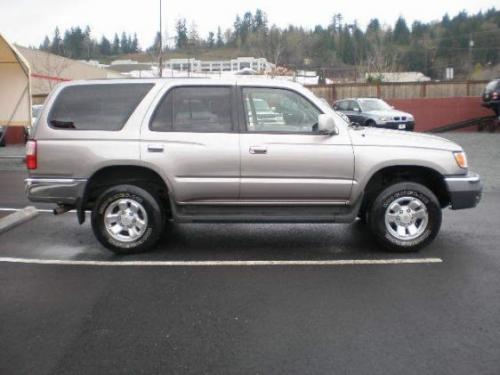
(141, 153)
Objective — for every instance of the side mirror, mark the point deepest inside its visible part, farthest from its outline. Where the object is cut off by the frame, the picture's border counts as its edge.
(326, 125)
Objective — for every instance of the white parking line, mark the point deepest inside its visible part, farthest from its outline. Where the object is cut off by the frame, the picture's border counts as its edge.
(223, 263)
(6, 209)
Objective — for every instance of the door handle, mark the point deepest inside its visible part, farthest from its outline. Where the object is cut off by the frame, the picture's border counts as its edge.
(258, 150)
(155, 148)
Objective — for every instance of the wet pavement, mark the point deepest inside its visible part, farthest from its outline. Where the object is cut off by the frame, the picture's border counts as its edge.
(436, 318)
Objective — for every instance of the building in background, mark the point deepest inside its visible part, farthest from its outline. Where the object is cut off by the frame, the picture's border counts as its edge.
(397, 77)
(259, 65)
(47, 70)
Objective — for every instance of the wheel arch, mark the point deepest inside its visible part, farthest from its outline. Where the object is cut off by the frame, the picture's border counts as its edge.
(110, 175)
(427, 176)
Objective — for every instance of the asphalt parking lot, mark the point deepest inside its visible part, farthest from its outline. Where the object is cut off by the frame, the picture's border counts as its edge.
(180, 310)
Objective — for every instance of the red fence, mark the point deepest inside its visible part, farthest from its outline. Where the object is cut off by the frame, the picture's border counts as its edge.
(432, 113)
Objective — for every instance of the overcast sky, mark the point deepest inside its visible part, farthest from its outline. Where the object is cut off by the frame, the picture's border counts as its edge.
(26, 22)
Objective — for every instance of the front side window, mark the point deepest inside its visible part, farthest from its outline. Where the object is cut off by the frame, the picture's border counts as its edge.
(194, 109)
(96, 107)
(354, 106)
(343, 106)
(279, 110)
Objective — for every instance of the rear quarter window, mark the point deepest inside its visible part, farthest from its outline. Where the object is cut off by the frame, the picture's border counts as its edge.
(96, 107)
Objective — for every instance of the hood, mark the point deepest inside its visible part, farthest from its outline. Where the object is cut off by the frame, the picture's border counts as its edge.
(388, 113)
(371, 136)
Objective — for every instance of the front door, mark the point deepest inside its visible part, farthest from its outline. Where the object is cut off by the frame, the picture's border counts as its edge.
(191, 139)
(284, 158)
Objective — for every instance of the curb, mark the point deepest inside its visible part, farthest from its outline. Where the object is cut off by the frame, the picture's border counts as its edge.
(17, 218)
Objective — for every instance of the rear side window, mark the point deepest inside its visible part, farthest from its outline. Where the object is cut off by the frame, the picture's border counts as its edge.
(96, 107)
(194, 109)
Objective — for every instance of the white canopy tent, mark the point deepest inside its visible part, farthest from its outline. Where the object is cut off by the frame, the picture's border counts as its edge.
(15, 89)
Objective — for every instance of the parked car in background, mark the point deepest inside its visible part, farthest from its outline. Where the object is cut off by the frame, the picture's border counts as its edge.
(491, 96)
(375, 112)
(2, 135)
(265, 115)
(35, 112)
(141, 153)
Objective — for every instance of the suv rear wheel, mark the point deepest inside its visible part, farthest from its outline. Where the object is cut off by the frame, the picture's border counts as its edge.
(127, 219)
(405, 217)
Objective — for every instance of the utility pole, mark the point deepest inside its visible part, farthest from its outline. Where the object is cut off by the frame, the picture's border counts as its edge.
(471, 64)
(161, 45)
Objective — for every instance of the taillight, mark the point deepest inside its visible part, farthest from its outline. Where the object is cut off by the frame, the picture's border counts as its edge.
(31, 159)
(495, 95)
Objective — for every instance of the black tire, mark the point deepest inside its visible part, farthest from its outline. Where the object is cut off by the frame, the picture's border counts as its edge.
(377, 213)
(152, 207)
(370, 123)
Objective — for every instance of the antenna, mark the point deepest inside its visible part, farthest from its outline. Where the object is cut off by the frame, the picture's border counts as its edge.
(161, 44)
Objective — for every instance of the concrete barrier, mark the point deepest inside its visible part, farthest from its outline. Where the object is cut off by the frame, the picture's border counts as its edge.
(17, 218)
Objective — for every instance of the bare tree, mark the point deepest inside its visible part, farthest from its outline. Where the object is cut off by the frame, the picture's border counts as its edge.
(51, 66)
(381, 61)
(276, 45)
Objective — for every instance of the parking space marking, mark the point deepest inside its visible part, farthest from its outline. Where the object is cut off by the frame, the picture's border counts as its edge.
(6, 209)
(222, 263)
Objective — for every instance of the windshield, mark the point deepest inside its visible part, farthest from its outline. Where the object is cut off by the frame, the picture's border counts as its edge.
(374, 105)
(492, 86)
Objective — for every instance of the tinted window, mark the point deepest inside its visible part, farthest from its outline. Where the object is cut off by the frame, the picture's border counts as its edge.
(353, 106)
(194, 109)
(343, 106)
(278, 110)
(96, 107)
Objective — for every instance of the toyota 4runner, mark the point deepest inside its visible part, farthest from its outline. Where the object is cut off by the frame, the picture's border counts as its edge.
(141, 153)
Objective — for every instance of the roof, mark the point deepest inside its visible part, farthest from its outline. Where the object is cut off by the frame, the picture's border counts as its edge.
(15, 96)
(243, 81)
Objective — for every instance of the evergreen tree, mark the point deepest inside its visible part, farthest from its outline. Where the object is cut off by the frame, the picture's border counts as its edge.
(220, 39)
(211, 40)
(193, 36)
(115, 49)
(45, 46)
(182, 33)
(426, 47)
(259, 21)
(156, 44)
(55, 46)
(134, 44)
(105, 47)
(401, 32)
(125, 48)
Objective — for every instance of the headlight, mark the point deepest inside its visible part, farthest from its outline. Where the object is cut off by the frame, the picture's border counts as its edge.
(461, 159)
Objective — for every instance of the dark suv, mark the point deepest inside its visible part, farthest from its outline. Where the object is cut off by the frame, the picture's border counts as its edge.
(491, 96)
(375, 112)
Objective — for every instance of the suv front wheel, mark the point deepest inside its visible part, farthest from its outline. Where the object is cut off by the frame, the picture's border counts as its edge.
(127, 219)
(405, 217)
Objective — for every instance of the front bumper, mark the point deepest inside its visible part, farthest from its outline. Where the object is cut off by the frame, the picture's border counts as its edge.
(465, 191)
(408, 126)
(65, 191)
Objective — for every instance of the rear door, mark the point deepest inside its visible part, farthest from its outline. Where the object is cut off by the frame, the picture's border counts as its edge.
(283, 157)
(191, 139)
